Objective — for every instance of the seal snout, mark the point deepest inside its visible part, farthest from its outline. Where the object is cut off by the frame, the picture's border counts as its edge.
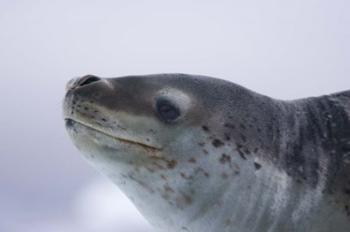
(80, 97)
(76, 83)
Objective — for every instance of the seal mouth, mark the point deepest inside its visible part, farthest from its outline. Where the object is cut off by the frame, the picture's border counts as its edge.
(71, 122)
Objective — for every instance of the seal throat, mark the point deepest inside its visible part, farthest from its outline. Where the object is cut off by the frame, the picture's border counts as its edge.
(147, 147)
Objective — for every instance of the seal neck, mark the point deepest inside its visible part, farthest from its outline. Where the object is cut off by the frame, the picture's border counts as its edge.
(314, 138)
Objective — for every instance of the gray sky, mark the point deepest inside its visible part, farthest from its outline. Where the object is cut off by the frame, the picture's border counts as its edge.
(284, 49)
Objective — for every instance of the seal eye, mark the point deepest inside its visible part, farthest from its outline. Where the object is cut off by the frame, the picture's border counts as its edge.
(167, 110)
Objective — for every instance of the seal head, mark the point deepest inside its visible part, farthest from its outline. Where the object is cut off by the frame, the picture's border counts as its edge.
(196, 153)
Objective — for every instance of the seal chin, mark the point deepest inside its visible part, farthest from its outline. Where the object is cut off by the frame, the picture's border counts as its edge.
(71, 124)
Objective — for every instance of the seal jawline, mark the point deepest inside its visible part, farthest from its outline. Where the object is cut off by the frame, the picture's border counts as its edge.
(70, 123)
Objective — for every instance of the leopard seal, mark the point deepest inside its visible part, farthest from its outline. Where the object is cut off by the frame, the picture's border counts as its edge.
(200, 154)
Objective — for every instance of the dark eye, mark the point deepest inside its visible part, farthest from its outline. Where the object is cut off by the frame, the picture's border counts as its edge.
(167, 110)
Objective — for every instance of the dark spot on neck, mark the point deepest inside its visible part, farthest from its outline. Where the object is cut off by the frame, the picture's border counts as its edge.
(192, 160)
(201, 144)
(240, 150)
(225, 159)
(205, 128)
(242, 154)
(172, 164)
(257, 165)
(217, 143)
(199, 169)
(229, 125)
(184, 176)
(163, 177)
(187, 198)
(167, 188)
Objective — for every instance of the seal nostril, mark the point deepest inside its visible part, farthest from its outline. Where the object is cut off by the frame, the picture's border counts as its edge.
(88, 80)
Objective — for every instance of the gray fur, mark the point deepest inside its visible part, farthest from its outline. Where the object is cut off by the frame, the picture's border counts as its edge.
(237, 161)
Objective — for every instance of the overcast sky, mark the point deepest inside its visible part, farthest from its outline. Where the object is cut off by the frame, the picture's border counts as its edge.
(284, 49)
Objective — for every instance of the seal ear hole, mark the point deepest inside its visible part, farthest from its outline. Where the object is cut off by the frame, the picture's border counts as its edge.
(167, 110)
